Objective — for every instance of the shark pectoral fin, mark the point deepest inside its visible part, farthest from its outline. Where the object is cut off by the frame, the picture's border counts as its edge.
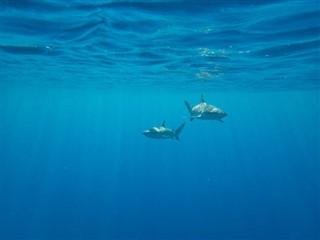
(220, 120)
(163, 123)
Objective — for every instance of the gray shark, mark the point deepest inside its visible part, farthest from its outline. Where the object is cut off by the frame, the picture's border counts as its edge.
(162, 132)
(205, 111)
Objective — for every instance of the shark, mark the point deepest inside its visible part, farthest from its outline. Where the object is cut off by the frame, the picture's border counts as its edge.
(162, 132)
(205, 111)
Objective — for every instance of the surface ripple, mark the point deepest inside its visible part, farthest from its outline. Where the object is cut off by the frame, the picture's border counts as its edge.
(205, 45)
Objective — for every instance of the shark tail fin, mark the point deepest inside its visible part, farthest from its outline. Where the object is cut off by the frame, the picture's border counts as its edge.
(178, 131)
(188, 106)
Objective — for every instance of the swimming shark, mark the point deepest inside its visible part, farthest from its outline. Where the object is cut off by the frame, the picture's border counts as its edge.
(162, 132)
(205, 111)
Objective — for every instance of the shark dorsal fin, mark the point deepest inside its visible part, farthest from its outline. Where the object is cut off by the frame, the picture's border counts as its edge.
(202, 98)
(163, 123)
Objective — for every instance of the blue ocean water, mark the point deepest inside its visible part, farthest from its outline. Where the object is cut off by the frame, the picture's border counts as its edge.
(80, 81)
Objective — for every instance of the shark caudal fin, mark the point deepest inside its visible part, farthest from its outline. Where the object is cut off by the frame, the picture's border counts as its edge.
(188, 106)
(178, 131)
(189, 109)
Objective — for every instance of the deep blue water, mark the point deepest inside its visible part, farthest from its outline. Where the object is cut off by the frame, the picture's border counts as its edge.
(80, 81)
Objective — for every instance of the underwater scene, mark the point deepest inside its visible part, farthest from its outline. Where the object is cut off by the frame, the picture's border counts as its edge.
(160, 119)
